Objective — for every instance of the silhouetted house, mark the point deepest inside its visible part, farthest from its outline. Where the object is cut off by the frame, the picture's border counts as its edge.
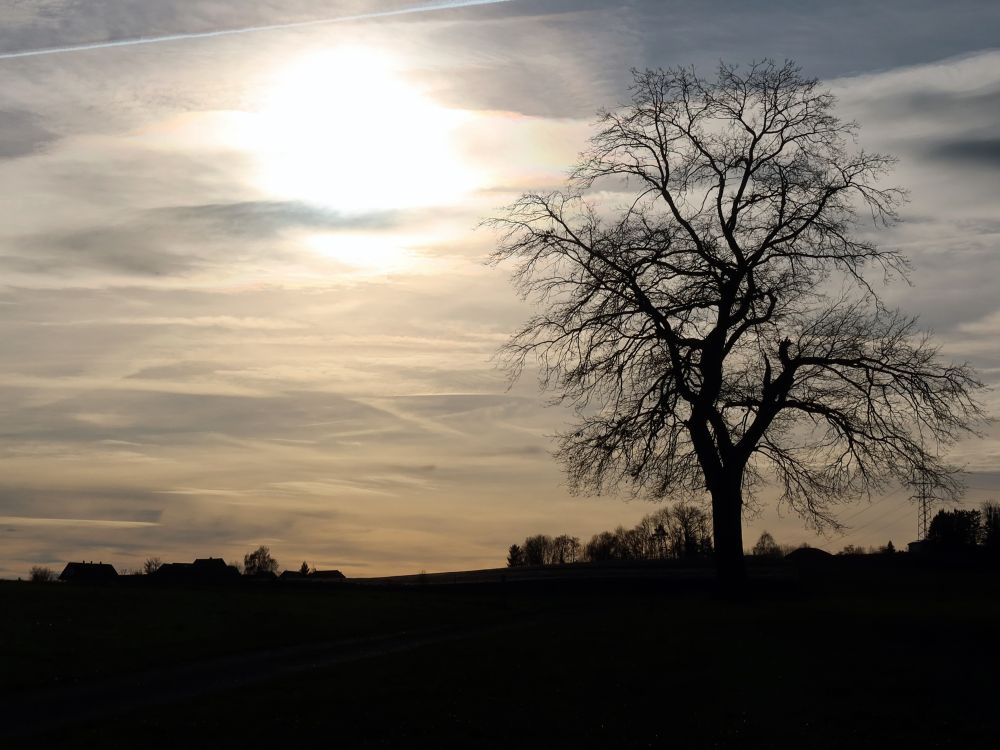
(210, 570)
(215, 567)
(291, 575)
(84, 572)
(329, 575)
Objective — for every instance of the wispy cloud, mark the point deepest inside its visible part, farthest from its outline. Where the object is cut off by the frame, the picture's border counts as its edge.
(428, 7)
(74, 522)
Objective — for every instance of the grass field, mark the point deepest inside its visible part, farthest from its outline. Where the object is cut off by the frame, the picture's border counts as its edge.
(859, 660)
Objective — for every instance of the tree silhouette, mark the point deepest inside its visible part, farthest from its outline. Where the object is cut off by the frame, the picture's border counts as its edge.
(537, 550)
(688, 531)
(709, 306)
(955, 529)
(991, 526)
(41, 574)
(602, 548)
(259, 561)
(515, 556)
(151, 565)
(766, 546)
(565, 549)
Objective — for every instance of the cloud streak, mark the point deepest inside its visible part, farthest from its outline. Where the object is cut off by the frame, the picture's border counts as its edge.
(136, 41)
(75, 522)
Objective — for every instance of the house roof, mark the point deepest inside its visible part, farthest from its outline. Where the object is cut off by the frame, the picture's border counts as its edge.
(327, 574)
(90, 571)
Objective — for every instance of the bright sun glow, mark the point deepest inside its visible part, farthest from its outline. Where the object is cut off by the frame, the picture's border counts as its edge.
(346, 129)
(365, 253)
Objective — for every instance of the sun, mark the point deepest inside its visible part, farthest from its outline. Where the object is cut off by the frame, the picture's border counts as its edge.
(347, 129)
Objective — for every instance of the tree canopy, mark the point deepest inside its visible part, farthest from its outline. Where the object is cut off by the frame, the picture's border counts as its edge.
(259, 562)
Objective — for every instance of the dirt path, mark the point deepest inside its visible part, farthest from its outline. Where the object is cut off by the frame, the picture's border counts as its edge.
(39, 711)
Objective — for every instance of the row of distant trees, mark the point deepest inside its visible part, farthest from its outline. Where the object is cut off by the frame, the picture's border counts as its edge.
(683, 531)
(257, 562)
(679, 531)
(949, 530)
(767, 547)
(961, 528)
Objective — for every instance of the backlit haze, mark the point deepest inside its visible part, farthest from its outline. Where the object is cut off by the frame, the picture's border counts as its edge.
(243, 296)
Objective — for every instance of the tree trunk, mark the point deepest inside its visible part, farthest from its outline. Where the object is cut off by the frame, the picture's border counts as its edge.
(727, 530)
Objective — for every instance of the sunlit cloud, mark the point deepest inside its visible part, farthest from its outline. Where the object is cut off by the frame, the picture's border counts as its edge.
(366, 253)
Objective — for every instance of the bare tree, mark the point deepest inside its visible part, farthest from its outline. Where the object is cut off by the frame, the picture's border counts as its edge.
(602, 548)
(151, 565)
(41, 574)
(688, 531)
(709, 304)
(991, 526)
(566, 549)
(537, 550)
(766, 546)
(259, 562)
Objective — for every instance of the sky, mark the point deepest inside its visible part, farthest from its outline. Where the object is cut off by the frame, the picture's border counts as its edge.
(243, 289)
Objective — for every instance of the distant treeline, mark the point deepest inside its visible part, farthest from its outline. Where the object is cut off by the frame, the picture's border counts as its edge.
(683, 531)
(966, 528)
(952, 531)
(680, 531)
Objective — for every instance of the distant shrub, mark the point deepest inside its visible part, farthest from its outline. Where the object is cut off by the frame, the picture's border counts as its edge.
(41, 574)
(853, 549)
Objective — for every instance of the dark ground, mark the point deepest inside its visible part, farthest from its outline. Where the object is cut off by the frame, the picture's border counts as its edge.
(862, 656)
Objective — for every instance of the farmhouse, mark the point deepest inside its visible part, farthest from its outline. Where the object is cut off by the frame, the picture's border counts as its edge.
(88, 572)
(330, 575)
(202, 570)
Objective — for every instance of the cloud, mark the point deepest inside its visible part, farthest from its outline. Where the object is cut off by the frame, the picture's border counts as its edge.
(21, 133)
(981, 153)
(270, 218)
(175, 371)
(218, 321)
(74, 522)
(178, 240)
(221, 28)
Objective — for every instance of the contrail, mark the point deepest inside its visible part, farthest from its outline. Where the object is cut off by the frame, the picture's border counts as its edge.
(135, 41)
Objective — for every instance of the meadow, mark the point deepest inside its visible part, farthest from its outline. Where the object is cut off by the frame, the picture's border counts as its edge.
(856, 657)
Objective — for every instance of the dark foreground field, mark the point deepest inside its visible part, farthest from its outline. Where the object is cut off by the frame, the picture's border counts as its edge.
(858, 658)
